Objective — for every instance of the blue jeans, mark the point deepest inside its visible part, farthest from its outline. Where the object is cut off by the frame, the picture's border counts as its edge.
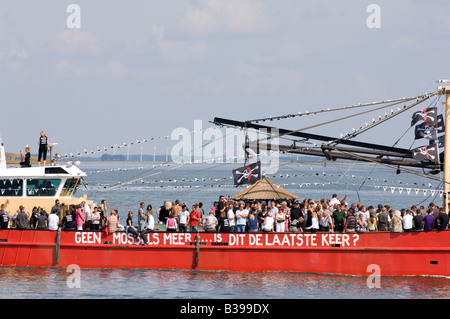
(240, 228)
(193, 229)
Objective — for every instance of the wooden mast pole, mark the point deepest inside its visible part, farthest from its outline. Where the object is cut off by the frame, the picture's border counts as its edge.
(447, 150)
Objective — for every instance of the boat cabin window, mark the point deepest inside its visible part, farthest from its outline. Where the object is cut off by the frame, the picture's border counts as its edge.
(70, 187)
(42, 186)
(11, 187)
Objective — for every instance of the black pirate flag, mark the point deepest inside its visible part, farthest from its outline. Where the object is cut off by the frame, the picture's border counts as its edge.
(427, 115)
(427, 131)
(426, 153)
(248, 174)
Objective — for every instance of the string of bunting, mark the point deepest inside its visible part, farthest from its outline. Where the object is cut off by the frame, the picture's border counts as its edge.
(118, 146)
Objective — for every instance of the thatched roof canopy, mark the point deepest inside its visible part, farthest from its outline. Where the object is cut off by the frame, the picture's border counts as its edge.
(264, 189)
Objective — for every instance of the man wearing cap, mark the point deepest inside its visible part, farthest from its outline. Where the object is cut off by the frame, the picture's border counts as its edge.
(296, 214)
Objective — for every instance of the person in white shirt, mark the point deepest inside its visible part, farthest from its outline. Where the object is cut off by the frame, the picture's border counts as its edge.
(335, 200)
(273, 208)
(87, 215)
(231, 217)
(364, 212)
(183, 218)
(53, 221)
(268, 222)
(95, 219)
(241, 218)
(407, 221)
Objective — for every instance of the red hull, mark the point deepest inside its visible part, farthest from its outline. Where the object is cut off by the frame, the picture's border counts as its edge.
(382, 253)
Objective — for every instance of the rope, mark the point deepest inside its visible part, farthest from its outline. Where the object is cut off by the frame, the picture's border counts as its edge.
(281, 117)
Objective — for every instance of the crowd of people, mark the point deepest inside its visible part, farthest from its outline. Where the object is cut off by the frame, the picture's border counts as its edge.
(326, 215)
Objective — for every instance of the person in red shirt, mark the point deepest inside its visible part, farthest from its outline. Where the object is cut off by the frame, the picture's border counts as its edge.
(194, 217)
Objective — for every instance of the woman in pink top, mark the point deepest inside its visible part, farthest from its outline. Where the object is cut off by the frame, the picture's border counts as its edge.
(80, 219)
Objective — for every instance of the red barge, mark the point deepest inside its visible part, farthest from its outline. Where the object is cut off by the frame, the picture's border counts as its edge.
(381, 253)
(391, 254)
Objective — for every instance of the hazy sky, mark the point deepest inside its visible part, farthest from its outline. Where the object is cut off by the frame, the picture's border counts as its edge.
(139, 69)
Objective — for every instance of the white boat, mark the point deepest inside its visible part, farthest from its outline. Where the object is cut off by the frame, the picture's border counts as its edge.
(39, 185)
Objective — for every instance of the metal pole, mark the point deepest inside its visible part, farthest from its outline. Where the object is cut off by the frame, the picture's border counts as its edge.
(447, 150)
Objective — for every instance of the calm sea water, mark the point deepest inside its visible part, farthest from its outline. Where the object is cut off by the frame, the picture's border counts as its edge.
(52, 283)
(206, 182)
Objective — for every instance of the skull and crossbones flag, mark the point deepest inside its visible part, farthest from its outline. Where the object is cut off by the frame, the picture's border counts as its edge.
(426, 153)
(427, 115)
(248, 174)
(427, 131)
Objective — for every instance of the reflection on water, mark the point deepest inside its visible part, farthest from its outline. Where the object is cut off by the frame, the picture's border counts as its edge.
(179, 284)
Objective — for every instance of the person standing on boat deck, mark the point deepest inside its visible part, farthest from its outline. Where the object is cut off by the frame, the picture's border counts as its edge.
(86, 214)
(335, 200)
(325, 218)
(141, 217)
(22, 218)
(407, 221)
(296, 213)
(361, 225)
(68, 221)
(4, 218)
(253, 224)
(338, 219)
(211, 221)
(268, 223)
(149, 210)
(280, 219)
(183, 218)
(95, 219)
(80, 218)
(350, 222)
(241, 218)
(171, 223)
(53, 220)
(442, 220)
(57, 207)
(164, 211)
(397, 222)
(287, 215)
(201, 211)
(42, 223)
(222, 207)
(383, 220)
(273, 208)
(43, 148)
(418, 221)
(194, 218)
(104, 212)
(25, 157)
(176, 208)
(231, 217)
(34, 217)
(372, 223)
